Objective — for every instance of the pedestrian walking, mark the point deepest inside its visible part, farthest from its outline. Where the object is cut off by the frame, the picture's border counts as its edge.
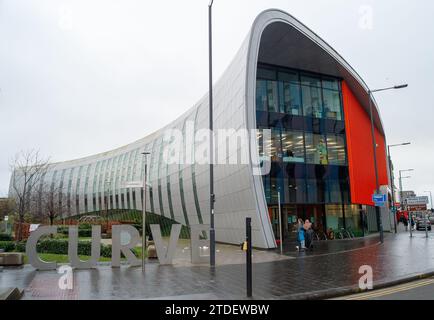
(308, 234)
(300, 235)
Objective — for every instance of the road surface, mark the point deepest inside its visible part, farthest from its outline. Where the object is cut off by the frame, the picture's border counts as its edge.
(415, 290)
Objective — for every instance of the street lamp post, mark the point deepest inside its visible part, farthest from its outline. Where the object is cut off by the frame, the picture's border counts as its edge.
(280, 222)
(145, 154)
(211, 150)
(392, 176)
(374, 146)
(401, 195)
(107, 184)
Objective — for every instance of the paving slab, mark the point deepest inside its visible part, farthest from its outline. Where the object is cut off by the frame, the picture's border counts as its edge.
(303, 277)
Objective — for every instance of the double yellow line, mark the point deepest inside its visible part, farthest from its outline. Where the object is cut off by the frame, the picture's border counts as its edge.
(389, 291)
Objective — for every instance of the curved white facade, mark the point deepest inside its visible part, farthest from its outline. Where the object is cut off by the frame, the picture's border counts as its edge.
(181, 192)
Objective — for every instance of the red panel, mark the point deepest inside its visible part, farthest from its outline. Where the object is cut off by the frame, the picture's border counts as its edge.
(360, 153)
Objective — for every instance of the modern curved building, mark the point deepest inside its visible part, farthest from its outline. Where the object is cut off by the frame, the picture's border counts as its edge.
(284, 78)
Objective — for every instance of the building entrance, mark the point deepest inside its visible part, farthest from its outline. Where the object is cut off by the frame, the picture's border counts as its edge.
(290, 215)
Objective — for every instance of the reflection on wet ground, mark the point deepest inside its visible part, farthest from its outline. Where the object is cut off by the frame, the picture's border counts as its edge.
(325, 269)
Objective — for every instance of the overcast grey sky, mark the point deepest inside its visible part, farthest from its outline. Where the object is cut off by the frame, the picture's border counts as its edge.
(82, 77)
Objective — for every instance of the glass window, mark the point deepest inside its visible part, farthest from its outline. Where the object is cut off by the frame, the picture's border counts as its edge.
(315, 191)
(311, 81)
(312, 106)
(336, 149)
(316, 150)
(261, 95)
(267, 74)
(274, 145)
(335, 191)
(353, 219)
(289, 98)
(330, 83)
(295, 190)
(292, 146)
(332, 104)
(288, 77)
(272, 95)
(334, 217)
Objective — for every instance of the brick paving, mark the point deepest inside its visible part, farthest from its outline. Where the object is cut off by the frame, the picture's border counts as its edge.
(310, 273)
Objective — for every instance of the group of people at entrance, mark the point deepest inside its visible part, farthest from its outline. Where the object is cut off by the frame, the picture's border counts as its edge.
(304, 235)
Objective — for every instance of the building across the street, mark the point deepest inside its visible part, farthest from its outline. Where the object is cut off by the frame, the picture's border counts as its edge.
(284, 78)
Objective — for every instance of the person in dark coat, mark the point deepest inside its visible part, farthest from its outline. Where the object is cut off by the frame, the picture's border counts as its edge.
(308, 234)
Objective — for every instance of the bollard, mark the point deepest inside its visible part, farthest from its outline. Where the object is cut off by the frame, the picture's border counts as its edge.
(249, 256)
(426, 225)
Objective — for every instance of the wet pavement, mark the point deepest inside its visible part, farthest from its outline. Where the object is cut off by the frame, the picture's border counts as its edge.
(325, 247)
(303, 276)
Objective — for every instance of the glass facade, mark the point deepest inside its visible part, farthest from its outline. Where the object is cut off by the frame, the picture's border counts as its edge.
(308, 145)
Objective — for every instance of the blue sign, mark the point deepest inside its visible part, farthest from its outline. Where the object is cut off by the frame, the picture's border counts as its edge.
(379, 199)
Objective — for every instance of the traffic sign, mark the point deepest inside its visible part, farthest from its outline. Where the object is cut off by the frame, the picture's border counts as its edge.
(423, 200)
(379, 200)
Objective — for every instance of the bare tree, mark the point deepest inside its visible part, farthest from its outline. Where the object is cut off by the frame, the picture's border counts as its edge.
(27, 170)
(49, 202)
(7, 207)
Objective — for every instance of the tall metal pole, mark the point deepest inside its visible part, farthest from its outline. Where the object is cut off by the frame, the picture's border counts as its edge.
(280, 223)
(377, 185)
(211, 147)
(249, 256)
(400, 190)
(144, 210)
(392, 178)
(108, 191)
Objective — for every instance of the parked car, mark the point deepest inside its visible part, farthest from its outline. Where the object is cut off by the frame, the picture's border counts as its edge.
(420, 224)
(431, 219)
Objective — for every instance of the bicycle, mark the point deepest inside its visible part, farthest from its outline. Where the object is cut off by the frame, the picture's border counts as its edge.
(338, 234)
(319, 235)
(345, 233)
(351, 233)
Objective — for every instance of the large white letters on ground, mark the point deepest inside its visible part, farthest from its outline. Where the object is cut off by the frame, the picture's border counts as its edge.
(165, 253)
(73, 248)
(197, 244)
(117, 247)
(125, 238)
(31, 253)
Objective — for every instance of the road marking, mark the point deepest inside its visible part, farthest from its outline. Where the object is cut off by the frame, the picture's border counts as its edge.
(383, 292)
(389, 291)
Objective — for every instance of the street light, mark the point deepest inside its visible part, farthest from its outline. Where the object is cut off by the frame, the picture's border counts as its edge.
(374, 146)
(400, 183)
(145, 154)
(393, 180)
(410, 218)
(430, 196)
(211, 142)
(107, 185)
